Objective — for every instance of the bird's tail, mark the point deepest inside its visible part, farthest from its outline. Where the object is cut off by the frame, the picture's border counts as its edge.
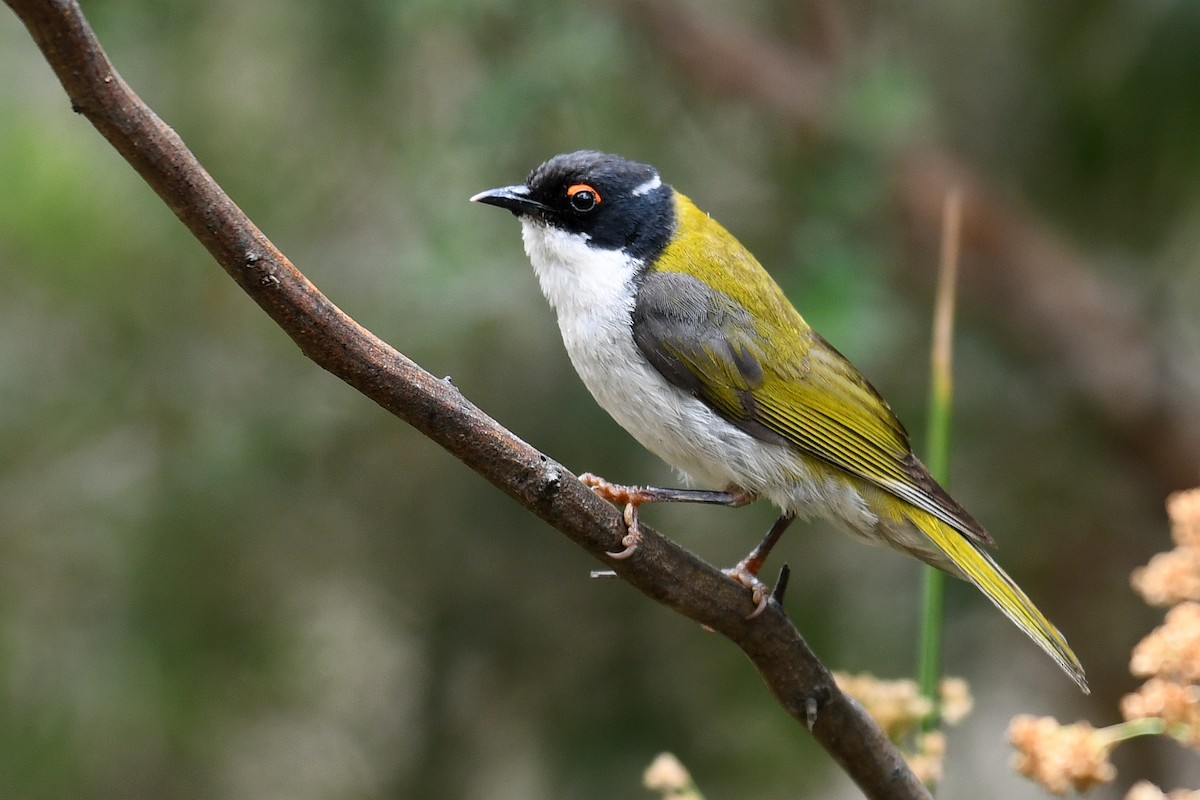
(980, 569)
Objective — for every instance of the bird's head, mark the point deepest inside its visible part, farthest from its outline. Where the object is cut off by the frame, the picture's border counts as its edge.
(604, 201)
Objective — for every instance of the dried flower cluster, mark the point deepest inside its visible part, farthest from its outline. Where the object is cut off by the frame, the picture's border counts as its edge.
(1076, 756)
(1172, 650)
(899, 708)
(896, 705)
(669, 777)
(1170, 655)
(927, 756)
(1061, 757)
(1176, 704)
(1145, 790)
(1174, 577)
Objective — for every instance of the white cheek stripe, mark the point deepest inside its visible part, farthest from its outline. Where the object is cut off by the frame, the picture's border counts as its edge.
(648, 187)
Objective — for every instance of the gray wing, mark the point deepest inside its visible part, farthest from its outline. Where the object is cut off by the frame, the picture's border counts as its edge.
(704, 343)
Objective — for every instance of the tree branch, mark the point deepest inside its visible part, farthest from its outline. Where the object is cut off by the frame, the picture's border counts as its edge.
(661, 570)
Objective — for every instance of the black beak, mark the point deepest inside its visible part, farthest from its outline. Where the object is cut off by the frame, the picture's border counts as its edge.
(515, 198)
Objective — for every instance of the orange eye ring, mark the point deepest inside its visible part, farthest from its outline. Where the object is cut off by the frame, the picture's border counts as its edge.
(582, 197)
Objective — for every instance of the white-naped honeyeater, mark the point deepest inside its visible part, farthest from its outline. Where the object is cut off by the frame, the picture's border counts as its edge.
(691, 346)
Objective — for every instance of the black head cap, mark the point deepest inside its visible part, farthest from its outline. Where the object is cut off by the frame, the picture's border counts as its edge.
(619, 204)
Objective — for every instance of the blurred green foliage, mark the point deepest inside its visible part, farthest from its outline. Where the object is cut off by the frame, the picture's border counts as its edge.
(225, 574)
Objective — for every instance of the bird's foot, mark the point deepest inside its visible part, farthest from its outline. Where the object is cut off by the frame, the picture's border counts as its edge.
(746, 570)
(615, 492)
(629, 496)
(760, 593)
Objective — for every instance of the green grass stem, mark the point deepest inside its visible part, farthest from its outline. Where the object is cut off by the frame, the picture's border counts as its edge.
(937, 449)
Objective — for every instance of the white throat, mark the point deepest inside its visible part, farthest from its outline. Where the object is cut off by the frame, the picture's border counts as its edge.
(585, 286)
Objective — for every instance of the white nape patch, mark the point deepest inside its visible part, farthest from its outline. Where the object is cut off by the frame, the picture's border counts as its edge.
(648, 187)
(592, 291)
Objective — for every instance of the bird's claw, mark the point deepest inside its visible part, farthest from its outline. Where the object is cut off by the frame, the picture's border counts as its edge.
(760, 593)
(633, 536)
(630, 497)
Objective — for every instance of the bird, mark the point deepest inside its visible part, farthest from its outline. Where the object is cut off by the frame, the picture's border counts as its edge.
(690, 345)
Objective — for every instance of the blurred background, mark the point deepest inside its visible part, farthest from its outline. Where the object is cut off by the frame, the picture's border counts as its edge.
(224, 574)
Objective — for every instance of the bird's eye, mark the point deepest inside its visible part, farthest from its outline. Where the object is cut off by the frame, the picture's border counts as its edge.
(582, 197)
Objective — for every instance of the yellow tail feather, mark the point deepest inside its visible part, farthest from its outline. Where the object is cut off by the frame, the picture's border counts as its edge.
(994, 582)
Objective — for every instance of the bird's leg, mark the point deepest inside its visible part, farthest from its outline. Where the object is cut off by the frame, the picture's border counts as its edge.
(746, 570)
(633, 496)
